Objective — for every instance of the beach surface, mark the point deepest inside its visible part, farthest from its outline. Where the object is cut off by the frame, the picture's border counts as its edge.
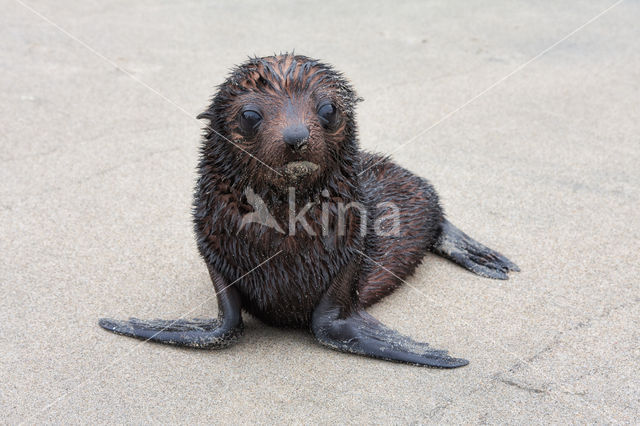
(525, 117)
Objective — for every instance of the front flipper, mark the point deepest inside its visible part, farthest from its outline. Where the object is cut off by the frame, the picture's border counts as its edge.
(197, 333)
(203, 333)
(360, 333)
(460, 248)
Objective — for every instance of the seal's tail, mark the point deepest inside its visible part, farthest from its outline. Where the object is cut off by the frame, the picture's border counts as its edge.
(204, 333)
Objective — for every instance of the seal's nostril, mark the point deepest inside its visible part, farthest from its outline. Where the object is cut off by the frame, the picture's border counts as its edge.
(296, 136)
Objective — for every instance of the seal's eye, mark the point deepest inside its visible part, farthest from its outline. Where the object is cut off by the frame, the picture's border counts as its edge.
(249, 121)
(327, 114)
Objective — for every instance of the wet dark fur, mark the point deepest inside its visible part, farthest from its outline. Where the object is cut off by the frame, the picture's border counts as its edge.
(286, 289)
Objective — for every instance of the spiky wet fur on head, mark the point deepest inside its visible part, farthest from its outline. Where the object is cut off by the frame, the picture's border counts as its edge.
(286, 88)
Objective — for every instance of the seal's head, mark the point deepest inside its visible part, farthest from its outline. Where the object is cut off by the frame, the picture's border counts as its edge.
(279, 121)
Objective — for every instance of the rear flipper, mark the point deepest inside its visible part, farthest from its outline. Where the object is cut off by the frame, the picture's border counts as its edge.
(362, 334)
(460, 248)
(197, 333)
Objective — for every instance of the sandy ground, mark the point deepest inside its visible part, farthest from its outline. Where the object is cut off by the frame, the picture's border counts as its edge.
(99, 147)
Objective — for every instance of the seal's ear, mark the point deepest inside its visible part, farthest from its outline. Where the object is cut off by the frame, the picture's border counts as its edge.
(206, 114)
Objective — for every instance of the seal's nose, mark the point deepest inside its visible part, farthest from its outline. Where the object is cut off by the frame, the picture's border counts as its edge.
(296, 136)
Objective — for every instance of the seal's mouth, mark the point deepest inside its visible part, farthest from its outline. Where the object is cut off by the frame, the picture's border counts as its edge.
(296, 170)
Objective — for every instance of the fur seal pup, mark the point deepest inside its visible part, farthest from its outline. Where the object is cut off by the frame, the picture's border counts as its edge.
(281, 135)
